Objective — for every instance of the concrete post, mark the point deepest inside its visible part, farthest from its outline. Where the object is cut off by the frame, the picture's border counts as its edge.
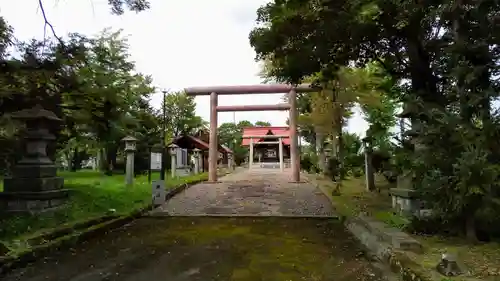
(213, 153)
(294, 145)
(282, 164)
(129, 168)
(250, 160)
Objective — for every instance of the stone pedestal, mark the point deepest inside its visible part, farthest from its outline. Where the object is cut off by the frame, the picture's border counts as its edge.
(34, 185)
(405, 200)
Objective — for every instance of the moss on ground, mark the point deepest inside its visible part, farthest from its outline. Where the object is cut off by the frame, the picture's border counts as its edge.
(263, 247)
(203, 248)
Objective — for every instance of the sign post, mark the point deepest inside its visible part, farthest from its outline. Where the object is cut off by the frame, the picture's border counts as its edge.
(159, 193)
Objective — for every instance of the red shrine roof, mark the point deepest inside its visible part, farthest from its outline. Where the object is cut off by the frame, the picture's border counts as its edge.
(262, 131)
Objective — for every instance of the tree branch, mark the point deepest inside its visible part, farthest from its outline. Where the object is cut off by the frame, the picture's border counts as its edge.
(47, 23)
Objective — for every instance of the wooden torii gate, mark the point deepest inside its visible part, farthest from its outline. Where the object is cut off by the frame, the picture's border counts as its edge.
(215, 91)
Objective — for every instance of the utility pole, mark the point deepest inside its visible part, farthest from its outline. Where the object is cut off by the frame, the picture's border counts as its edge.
(164, 136)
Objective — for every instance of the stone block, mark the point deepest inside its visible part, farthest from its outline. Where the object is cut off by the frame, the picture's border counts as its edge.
(34, 171)
(32, 201)
(32, 184)
(450, 265)
(407, 203)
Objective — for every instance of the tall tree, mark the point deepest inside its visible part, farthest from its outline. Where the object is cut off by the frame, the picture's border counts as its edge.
(181, 114)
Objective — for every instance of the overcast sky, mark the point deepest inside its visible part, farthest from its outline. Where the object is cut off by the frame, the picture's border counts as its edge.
(180, 43)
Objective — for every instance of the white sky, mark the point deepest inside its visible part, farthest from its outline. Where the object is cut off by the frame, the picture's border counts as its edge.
(180, 43)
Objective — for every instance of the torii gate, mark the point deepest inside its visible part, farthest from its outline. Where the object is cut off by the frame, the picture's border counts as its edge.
(252, 89)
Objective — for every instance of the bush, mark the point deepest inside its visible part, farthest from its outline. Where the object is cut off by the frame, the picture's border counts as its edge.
(306, 163)
(357, 172)
(333, 168)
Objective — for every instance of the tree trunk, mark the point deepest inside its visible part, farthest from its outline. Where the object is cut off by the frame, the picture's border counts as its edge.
(75, 160)
(320, 151)
(470, 227)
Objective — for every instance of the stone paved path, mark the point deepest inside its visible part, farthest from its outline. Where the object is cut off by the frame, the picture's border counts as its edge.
(258, 192)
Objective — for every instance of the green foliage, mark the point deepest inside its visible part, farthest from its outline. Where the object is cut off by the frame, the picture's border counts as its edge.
(333, 168)
(118, 6)
(306, 163)
(440, 60)
(90, 83)
(180, 111)
(262, 124)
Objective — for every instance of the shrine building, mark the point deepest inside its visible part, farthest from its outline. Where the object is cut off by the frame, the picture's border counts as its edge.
(266, 143)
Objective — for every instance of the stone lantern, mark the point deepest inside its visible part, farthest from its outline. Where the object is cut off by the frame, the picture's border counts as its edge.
(34, 185)
(130, 148)
(230, 161)
(172, 149)
(370, 178)
(196, 154)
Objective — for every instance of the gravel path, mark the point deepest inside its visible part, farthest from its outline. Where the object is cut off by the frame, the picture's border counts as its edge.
(257, 192)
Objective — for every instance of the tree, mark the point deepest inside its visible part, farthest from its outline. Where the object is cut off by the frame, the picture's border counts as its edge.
(262, 124)
(89, 84)
(446, 52)
(230, 135)
(181, 116)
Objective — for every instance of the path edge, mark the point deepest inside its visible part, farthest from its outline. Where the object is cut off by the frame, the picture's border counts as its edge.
(70, 235)
(397, 261)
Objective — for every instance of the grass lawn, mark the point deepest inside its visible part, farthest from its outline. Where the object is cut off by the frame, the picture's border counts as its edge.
(483, 259)
(93, 195)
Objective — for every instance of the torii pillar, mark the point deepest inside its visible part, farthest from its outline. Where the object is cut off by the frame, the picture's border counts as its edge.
(294, 142)
(252, 89)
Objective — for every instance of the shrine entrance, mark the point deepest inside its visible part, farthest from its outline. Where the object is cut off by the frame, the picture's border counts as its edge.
(269, 146)
(291, 106)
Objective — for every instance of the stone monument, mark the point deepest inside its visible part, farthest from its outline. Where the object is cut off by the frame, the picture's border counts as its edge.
(405, 199)
(34, 185)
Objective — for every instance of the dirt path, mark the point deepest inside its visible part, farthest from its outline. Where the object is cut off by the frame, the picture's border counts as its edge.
(264, 192)
(206, 249)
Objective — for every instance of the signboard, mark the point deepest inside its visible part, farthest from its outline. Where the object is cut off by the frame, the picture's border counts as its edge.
(159, 193)
(155, 161)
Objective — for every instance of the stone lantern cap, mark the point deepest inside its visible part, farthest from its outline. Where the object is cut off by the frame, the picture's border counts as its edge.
(36, 112)
(129, 143)
(173, 147)
(129, 139)
(196, 150)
